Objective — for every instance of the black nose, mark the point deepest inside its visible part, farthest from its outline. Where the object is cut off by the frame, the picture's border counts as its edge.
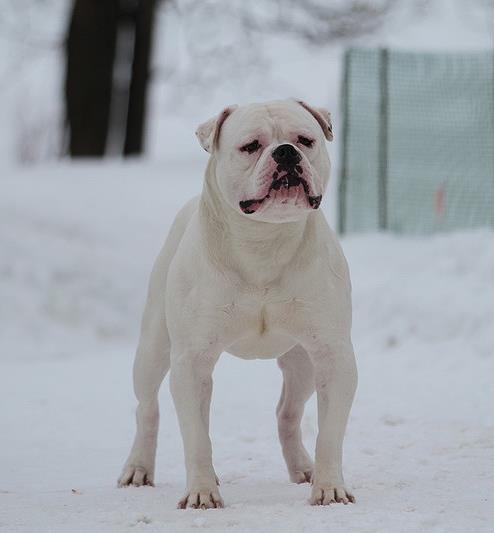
(286, 155)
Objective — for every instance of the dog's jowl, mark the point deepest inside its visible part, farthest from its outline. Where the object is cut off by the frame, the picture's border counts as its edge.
(252, 268)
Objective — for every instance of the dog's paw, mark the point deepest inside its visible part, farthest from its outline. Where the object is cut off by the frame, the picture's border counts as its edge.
(303, 475)
(299, 464)
(201, 499)
(136, 476)
(325, 494)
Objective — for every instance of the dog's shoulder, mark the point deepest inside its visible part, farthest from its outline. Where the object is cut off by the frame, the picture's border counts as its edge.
(185, 214)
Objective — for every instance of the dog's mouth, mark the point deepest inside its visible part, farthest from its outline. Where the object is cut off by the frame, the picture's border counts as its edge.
(290, 179)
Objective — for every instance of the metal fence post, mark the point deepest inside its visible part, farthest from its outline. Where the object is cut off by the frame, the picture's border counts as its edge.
(492, 103)
(383, 139)
(345, 106)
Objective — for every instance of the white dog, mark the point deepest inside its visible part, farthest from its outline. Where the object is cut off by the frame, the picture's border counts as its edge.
(251, 267)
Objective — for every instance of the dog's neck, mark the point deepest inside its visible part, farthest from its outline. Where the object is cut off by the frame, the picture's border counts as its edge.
(256, 251)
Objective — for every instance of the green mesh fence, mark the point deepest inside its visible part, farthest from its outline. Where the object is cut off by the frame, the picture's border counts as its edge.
(418, 141)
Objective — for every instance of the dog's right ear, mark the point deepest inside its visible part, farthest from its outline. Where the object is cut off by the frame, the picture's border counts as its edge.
(208, 132)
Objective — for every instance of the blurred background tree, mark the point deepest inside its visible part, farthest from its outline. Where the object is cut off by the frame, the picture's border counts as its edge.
(108, 51)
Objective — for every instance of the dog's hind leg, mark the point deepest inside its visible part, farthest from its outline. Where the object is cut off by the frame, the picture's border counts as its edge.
(152, 360)
(298, 386)
(151, 364)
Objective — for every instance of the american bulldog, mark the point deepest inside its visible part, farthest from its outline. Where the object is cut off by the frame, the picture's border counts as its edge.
(252, 268)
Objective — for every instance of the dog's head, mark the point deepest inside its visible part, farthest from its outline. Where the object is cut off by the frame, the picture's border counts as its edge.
(271, 159)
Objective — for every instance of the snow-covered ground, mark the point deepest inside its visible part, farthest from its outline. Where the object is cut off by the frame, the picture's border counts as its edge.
(76, 247)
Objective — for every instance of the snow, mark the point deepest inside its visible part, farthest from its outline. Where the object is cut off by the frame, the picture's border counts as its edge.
(77, 243)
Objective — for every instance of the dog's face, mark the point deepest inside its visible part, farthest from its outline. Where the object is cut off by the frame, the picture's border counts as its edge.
(271, 159)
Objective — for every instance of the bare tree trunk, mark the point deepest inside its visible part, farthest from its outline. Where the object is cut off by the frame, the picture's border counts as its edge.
(88, 84)
(136, 116)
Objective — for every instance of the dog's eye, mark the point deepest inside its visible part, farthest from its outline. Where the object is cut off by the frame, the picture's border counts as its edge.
(305, 141)
(251, 147)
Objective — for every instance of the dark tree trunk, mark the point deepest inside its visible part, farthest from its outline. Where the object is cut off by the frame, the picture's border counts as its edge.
(136, 116)
(95, 103)
(88, 84)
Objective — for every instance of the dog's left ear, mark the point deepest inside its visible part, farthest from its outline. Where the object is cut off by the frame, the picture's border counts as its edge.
(323, 116)
(208, 132)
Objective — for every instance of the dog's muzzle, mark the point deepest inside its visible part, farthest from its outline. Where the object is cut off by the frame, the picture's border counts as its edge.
(288, 174)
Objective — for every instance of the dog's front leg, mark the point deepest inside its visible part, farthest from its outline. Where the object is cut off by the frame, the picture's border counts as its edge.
(336, 381)
(191, 384)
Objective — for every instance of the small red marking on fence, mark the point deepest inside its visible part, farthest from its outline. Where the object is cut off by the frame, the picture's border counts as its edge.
(440, 200)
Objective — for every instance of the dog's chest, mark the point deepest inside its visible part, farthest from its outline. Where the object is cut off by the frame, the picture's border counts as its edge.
(263, 322)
